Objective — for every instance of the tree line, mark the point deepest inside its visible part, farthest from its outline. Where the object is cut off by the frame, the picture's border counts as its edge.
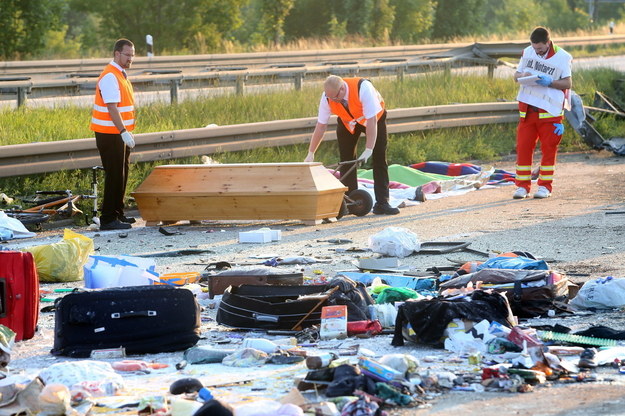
(87, 28)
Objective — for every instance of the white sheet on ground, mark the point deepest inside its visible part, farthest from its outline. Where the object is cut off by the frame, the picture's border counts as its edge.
(460, 185)
(18, 229)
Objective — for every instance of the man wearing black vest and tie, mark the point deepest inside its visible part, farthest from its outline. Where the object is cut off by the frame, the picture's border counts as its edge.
(360, 109)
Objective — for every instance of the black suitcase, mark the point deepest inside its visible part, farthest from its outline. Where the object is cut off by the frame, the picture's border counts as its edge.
(283, 307)
(270, 307)
(142, 319)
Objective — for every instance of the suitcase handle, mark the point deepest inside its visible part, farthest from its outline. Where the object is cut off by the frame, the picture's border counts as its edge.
(4, 296)
(266, 318)
(132, 314)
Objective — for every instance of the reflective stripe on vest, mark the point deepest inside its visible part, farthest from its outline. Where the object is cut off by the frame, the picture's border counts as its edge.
(541, 115)
(355, 114)
(101, 120)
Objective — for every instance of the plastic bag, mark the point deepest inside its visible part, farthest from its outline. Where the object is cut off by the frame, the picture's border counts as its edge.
(395, 242)
(118, 271)
(62, 261)
(396, 294)
(602, 293)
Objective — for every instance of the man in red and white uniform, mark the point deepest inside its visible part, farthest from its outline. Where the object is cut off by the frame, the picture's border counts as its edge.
(112, 120)
(360, 109)
(541, 106)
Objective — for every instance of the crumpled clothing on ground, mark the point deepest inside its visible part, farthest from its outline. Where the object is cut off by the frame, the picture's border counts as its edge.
(429, 318)
(348, 378)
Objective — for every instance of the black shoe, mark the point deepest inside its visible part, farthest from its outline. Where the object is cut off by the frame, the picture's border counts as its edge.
(127, 220)
(587, 358)
(115, 225)
(385, 209)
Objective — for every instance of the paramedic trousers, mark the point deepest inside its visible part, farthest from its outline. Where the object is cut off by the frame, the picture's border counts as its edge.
(114, 155)
(348, 143)
(531, 129)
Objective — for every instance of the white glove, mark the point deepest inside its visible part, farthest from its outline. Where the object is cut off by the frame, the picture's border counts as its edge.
(128, 139)
(310, 157)
(365, 155)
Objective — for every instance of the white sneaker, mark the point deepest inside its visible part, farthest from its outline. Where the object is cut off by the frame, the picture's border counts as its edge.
(520, 193)
(542, 193)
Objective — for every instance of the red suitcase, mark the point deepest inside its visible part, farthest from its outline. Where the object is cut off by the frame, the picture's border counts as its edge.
(19, 293)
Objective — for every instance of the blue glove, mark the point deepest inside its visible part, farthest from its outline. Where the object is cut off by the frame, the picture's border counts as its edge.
(544, 80)
(559, 129)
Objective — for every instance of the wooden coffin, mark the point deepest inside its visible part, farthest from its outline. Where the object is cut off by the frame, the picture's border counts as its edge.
(255, 191)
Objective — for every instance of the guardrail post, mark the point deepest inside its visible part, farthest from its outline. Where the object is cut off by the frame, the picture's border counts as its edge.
(491, 70)
(400, 73)
(21, 96)
(299, 80)
(173, 91)
(240, 85)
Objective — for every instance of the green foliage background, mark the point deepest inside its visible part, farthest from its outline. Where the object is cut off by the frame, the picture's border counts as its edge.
(44, 29)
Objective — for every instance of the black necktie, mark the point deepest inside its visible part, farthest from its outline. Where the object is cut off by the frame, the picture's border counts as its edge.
(124, 73)
(344, 102)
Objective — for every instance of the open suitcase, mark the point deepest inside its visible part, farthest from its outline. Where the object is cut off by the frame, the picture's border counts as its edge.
(283, 307)
(270, 307)
(142, 319)
(218, 283)
(19, 293)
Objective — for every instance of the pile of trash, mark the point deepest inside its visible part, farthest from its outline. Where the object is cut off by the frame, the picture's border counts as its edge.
(263, 340)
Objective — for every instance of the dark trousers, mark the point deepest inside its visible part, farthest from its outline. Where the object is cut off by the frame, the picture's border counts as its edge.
(348, 143)
(114, 154)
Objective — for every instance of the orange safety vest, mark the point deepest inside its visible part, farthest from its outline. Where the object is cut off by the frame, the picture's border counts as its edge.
(101, 121)
(355, 114)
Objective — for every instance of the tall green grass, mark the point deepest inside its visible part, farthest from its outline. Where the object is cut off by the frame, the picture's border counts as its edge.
(479, 143)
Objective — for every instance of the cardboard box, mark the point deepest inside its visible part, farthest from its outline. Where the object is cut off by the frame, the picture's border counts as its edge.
(257, 236)
(333, 322)
(383, 371)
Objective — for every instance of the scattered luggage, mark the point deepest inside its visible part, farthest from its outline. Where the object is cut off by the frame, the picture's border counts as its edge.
(217, 283)
(19, 293)
(287, 307)
(142, 319)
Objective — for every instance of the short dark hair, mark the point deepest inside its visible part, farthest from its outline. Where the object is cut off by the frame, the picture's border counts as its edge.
(120, 43)
(540, 35)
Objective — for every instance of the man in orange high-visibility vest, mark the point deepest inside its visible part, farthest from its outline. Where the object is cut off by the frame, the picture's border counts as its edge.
(112, 120)
(544, 75)
(360, 109)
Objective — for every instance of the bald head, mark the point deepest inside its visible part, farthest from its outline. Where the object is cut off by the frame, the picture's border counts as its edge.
(333, 87)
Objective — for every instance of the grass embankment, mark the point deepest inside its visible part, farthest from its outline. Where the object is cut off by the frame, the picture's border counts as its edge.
(485, 143)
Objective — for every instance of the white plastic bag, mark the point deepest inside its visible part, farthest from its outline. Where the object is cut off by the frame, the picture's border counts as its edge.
(395, 242)
(118, 271)
(602, 293)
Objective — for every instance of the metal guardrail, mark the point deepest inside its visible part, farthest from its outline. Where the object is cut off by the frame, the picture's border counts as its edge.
(386, 60)
(32, 158)
(239, 79)
(318, 56)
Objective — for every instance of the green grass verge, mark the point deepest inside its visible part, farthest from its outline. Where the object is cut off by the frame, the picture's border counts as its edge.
(484, 143)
